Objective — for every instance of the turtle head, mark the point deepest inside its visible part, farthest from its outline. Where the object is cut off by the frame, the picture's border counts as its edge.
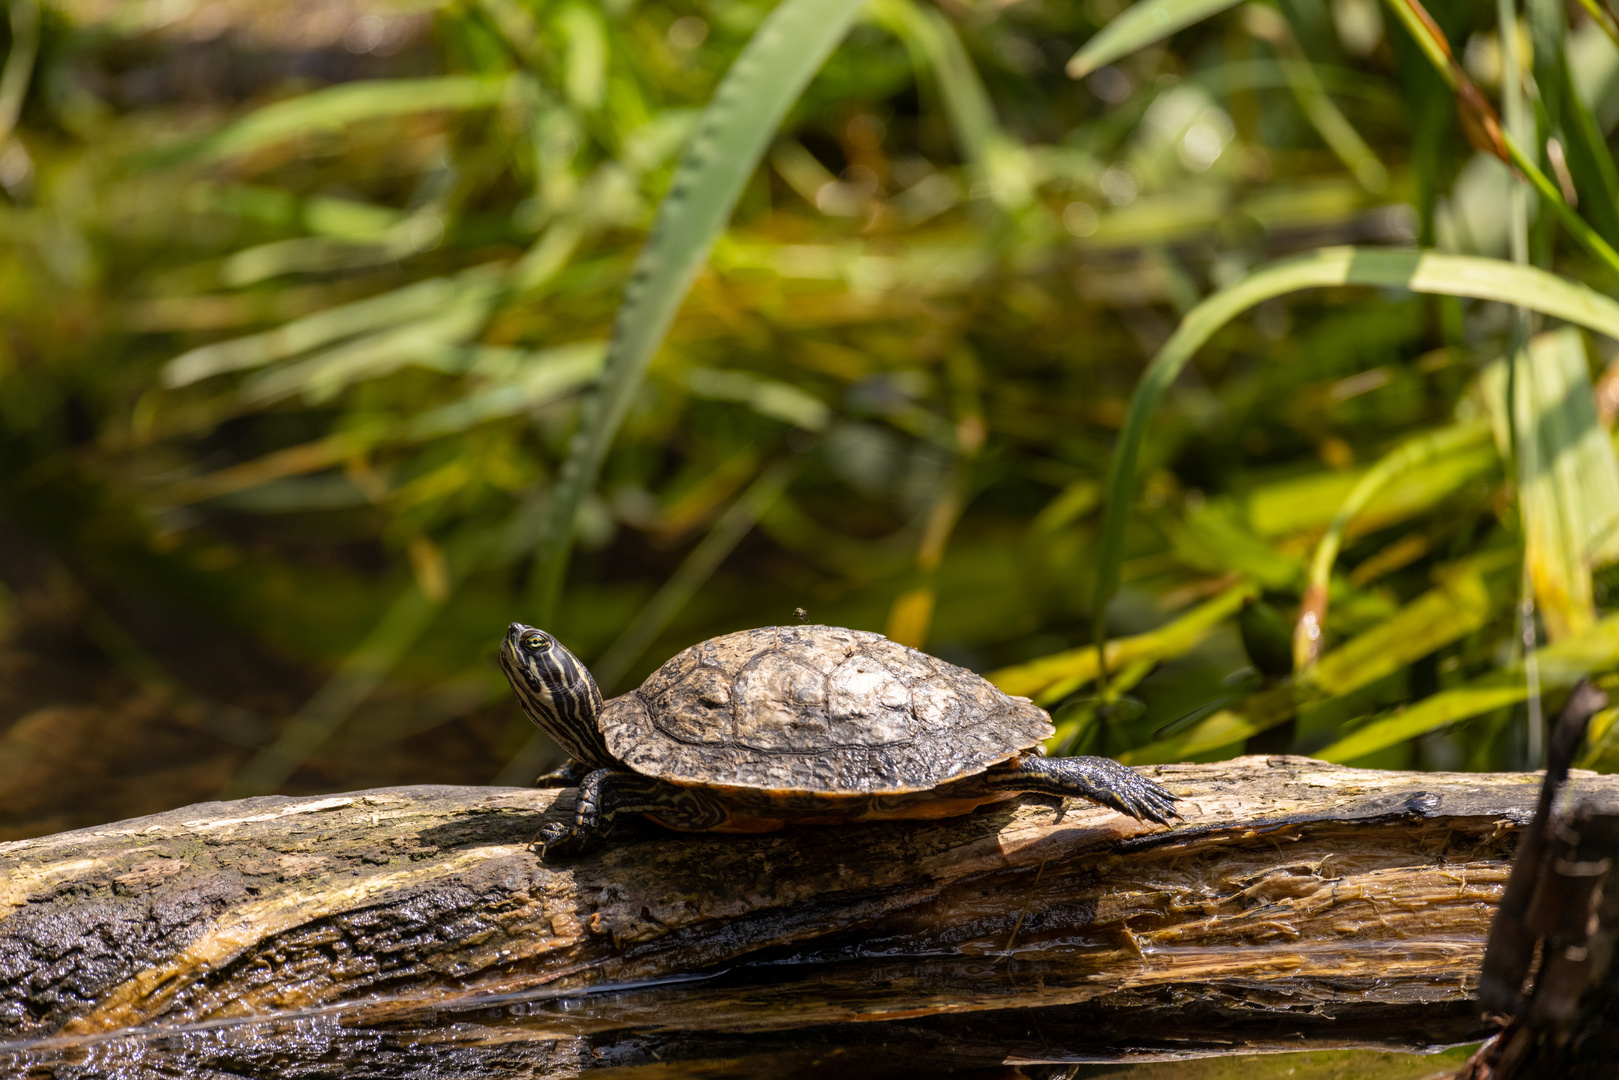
(556, 691)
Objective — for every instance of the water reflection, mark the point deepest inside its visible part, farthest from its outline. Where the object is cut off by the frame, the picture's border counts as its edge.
(741, 1022)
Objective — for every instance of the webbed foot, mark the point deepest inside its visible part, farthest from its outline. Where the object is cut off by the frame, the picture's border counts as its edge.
(1101, 780)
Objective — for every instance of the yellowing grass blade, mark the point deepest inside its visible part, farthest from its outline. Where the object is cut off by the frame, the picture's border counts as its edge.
(1570, 504)
(1561, 665)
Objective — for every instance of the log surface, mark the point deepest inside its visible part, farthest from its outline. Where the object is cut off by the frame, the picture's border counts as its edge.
(1298, 904)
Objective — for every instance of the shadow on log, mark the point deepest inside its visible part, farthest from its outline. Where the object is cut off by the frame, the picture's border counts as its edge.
(405, 931)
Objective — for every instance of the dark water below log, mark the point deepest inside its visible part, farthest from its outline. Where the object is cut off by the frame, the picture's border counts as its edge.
(740, 1022)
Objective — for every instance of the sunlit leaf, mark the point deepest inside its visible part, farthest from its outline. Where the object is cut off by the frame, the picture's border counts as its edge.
(322, 328)
(1260, 712)
(1214, 539)
(1056, 676)
(1396, 465)
(529, 380)
(1462, 603)
(767, 397)
(321, 376)
(1570, 502)
(1313, 500)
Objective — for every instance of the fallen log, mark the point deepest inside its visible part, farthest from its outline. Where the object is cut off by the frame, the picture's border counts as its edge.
(1298, 905)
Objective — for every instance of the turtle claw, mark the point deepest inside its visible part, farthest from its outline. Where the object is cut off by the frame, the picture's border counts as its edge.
(1153, 803)
(1139, 797)
(561, 839)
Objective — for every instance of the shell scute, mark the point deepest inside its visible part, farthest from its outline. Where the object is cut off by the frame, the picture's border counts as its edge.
(732, 652)
(780, 704)
(697, 709)
(868, 704)
(674, 669)
(906, 664)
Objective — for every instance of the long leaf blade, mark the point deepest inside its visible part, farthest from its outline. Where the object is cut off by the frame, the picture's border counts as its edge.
(730, 139)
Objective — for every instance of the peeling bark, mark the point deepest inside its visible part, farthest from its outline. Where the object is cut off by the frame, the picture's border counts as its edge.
(1298, 904)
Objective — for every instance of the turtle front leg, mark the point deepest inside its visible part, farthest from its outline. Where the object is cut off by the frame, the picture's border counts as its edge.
(606, 793)
(571, 774)
(1098, 779)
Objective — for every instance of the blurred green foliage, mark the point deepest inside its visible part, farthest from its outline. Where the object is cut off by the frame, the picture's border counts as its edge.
(303, 305)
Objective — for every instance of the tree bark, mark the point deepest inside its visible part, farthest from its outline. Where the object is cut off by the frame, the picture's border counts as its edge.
(1298, 905)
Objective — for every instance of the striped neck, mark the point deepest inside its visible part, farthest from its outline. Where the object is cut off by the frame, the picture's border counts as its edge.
(556, 691)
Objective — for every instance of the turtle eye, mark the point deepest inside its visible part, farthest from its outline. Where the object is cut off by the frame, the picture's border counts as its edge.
(536, 641)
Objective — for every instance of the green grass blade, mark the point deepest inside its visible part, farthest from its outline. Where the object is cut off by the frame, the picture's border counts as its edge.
(1308, 503)
(19, 69)
(1144, 23)
(336, 106)
(543, 376)
(323, 375)
(1325, 116)
(379, 312)
(1261, 712)
(1590, 165)
(1223, 728)
(1427, 715)
(732, 135)
(1419, 271)
(767, 397)
(933, 42)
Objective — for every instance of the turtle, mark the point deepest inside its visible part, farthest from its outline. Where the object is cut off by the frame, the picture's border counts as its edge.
(808, 724)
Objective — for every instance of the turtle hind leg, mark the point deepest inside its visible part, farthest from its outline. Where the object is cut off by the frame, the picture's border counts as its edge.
(1098, 779)
(606, 793)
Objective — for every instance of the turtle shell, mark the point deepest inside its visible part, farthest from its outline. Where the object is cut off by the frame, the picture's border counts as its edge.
(816, 709)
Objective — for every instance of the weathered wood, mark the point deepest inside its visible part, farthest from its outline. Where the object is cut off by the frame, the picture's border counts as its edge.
(1298, 904)
(1548, 973)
